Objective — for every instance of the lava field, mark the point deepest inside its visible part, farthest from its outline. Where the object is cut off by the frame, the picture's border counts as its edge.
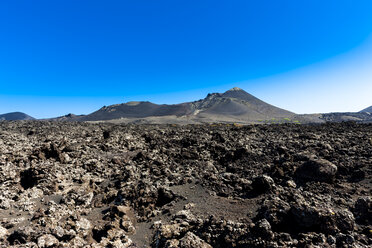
(66, 184)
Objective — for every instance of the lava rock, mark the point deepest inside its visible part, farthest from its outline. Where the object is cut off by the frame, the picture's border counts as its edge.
(190, 240)
(262, 184)
(319, 170)
(263, 229)
(185, 185)
(363, 209)
(47, 241)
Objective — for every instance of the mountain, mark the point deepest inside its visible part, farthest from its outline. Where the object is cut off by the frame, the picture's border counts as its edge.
(15, 116)
(235, 105)
(364, 116)
(136, 110)
(368, 110)
(361, 117)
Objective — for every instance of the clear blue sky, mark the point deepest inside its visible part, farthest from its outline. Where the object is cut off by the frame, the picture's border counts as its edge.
(64, 56)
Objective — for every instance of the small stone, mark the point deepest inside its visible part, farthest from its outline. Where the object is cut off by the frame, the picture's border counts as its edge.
(47, 241)
(263, 229)
(331, 240)
(291, 183)
(189, 206)
(127, 226)
(185, 215)
(263, 184)
(173, 243)
(190, 240)
(77, 242)
(83, 226)
(170, 231)
(363, 209)
(3, 233)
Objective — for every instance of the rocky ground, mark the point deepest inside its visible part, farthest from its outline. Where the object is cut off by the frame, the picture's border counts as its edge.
(104, 185)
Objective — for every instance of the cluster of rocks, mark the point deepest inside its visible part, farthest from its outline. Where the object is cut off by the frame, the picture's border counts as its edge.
(212, 185)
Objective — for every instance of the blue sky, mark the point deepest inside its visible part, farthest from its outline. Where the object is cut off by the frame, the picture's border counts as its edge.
(58, 57)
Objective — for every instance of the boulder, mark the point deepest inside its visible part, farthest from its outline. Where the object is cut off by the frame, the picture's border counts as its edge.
(319, 170)
(262, 184)
(190, 240)
(47, 240)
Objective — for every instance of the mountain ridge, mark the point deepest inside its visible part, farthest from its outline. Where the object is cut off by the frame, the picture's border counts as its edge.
(15, 116)
(368, 110)
(232, 105)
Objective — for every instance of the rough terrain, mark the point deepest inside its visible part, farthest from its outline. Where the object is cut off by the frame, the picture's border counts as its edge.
(69, 184)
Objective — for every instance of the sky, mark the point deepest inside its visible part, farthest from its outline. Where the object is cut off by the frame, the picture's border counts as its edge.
(67, 56)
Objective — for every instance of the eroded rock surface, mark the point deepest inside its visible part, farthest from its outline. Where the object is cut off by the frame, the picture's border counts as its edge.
(105, 185)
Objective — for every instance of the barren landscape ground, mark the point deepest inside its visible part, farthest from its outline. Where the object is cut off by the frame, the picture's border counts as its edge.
(211, 185)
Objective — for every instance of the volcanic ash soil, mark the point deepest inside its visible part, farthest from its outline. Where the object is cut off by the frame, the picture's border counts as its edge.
(103, 185)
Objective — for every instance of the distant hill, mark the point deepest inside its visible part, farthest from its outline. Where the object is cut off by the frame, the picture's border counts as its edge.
(15, 116)
(136, 110)
(235, 105)
(369, 109)
(364, 116)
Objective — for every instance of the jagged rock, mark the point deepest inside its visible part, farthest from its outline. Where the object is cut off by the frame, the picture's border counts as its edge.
(317, 170)
(331, 240)
(263, 184)
(217, 185)
(306, 216)
(173, 243)
(47, 241)
(185, 215)
(127, 225)
(3, 233)
(83, 227)
(51, 151)
(363, 209)
(165, 195)
(29, 178)
(78, 242)
(343, 240)
(190, 240)
(171, 231)
(345, 221)
(17, 238)
(263, 229)
(276, 212)
(291, 184)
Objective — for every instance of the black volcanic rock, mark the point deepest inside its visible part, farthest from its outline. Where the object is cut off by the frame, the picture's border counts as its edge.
(104, 185)
(15, 116)
(317, 170)
(369, 109)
